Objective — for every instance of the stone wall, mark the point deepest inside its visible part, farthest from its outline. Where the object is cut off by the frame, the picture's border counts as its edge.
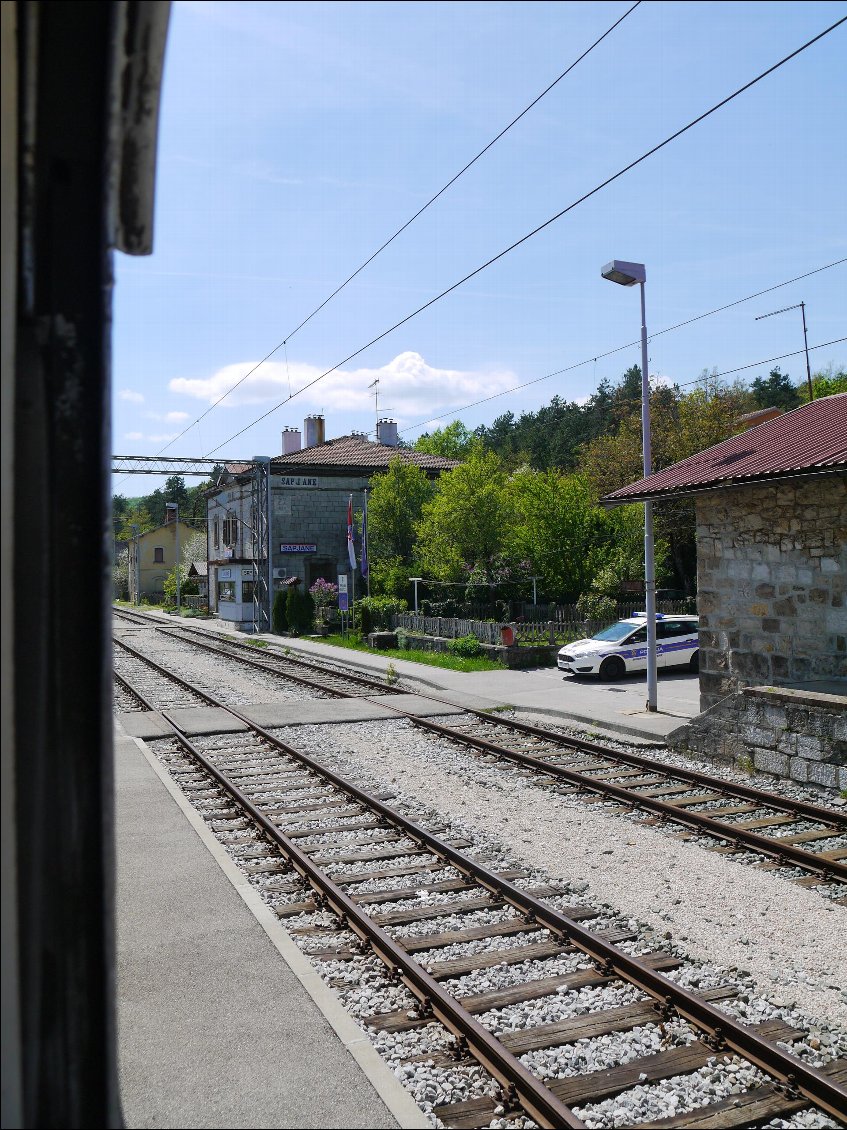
(797, 734)
(772, 568)
(313, 510)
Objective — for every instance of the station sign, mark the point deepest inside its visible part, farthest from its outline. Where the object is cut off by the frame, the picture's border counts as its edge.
(298, 547)
(295, 481)
(343, 602)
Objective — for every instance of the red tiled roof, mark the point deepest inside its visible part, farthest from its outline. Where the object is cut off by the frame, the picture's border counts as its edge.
(357, 451)
(808, 439)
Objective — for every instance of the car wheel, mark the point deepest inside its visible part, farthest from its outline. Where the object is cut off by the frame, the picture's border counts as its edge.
(694, 662)
(612, 668)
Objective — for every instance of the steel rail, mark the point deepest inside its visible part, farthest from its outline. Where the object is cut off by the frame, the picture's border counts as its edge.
(130, 689)
(219, 645)
(720, 1028)
(702, 822)
(731, 788)
(785, 804)
(699, 821)
(172, 675)
(534, 1096)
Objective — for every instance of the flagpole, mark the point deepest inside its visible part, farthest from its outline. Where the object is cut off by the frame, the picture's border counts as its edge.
(365, 553)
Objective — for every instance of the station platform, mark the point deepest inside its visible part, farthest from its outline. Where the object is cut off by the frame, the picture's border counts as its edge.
(222, 1021)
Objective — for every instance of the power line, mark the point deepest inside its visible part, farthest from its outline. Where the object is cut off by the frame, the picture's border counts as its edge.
(541, 227)
(620, 348)
(630, 400)
(411, 220)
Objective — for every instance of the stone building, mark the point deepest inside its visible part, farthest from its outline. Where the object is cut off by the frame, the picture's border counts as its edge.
(771, 507)
(310, 487)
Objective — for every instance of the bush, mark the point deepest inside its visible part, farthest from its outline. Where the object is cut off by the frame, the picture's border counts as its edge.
(363, 618)
(299, 610)
(382, 609)
(279, 620)
(466, 647)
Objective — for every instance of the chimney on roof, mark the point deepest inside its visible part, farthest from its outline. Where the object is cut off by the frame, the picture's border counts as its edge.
(386, 432)
(313, 431)
(290, 440)
(760, 416)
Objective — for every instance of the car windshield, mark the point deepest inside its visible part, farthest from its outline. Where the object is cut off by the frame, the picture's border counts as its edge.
(615, 632)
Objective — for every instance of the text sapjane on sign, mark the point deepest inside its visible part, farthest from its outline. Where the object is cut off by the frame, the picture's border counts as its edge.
(298, 547)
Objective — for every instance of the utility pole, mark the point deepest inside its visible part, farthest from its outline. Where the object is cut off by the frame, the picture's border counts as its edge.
(136, 565)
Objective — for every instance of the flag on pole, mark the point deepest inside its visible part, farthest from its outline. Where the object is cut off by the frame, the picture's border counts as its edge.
(364, 565)
(351, 551)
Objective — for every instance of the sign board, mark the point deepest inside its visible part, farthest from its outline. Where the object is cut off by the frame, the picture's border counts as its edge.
(298, 547)
(224, 574)
(295, 481)
(343, 605)
(247, 571)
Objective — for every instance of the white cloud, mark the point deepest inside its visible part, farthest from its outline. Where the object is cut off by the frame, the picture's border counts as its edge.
(168, 417)
(408, 386)
(140, 436)
(129, 394)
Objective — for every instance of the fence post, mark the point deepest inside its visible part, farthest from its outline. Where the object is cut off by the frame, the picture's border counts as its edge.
(551, 633)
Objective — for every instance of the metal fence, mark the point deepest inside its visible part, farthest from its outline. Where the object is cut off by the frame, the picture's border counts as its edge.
(567, 624)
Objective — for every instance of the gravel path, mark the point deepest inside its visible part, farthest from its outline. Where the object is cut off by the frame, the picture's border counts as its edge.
(788, 938)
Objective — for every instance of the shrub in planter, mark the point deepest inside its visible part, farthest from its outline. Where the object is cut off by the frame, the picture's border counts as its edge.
(466, 647)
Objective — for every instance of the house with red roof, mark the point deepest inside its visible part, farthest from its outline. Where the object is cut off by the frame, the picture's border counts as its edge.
(771, 505)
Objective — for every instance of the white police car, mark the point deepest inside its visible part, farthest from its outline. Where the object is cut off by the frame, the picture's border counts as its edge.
(623, 647)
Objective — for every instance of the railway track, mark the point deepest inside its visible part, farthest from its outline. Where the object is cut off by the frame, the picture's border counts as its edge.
(784, 832)
(435, 915)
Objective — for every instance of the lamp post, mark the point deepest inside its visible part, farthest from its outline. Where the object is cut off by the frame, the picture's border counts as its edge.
(416, 579)
(173, 507)
(628, 274)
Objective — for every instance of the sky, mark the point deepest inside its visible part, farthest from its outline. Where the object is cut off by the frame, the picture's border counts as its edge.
(295, 139)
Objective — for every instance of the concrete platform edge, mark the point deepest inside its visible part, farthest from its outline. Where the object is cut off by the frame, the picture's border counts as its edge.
(389, 1089)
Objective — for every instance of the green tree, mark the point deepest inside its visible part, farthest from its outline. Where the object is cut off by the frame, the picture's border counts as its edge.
(554, 526)
(453, 441)
(826, 382)
(777, 390)
(395, 503)
(464, 524)
(135, 514)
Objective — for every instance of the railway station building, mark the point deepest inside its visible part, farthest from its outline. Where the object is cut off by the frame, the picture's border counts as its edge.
(311, 483)
(771, 507)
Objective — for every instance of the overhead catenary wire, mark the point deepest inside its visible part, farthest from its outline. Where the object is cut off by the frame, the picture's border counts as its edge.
(633, 400)
(541, 227)
(410, 221)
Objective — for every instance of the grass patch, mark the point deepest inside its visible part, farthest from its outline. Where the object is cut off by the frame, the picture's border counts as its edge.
(258, 643)
(430, 658)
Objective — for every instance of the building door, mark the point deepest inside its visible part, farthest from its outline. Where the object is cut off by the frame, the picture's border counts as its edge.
(321, 568)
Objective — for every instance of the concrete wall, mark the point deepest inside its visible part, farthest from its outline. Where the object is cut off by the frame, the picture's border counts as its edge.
(772, 572)
(797, 734)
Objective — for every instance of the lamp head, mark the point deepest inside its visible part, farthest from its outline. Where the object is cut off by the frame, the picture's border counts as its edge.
(626, 274)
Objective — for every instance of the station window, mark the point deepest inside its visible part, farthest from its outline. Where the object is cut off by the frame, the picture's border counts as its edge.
(159, 555)
(247, 592)
(230, 531)
(226, 590)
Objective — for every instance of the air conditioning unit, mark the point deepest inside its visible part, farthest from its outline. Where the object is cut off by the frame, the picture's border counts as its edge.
(280, 574)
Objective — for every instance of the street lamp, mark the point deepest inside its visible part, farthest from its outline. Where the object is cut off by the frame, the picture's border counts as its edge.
(628, 274)
(416, 579)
